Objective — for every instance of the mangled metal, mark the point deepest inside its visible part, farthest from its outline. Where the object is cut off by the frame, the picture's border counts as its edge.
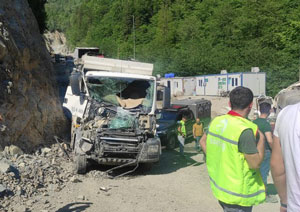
(116, 123)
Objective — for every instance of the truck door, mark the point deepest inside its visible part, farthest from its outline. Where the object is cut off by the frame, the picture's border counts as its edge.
(75, 103)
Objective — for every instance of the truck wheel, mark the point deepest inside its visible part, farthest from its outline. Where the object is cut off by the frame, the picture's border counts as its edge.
(80, 164)
(172, 141)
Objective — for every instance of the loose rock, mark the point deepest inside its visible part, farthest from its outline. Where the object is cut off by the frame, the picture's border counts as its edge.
(104, 189)
(74, 179)
(4, 167)
(81, 197)
(35, 175)
(2, 189)
(14, 150)
(46, 150)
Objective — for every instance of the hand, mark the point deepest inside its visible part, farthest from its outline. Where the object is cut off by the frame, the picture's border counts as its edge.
(0, 117)
(195, 137)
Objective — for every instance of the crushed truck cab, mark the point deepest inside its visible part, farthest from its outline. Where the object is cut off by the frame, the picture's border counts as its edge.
(112, 103)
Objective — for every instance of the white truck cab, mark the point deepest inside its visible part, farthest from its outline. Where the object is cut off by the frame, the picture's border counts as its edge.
(112, 103)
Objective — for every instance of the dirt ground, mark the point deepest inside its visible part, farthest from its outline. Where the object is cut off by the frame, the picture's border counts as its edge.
(174, 184)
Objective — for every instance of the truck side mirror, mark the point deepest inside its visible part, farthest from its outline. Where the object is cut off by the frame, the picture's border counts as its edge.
(166, 98)
(75, 79)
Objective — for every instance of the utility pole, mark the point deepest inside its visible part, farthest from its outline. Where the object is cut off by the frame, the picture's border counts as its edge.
(133, 30)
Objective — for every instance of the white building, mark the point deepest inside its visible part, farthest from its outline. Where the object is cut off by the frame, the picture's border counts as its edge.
(213, 85)
(175, 84)
(189, 86)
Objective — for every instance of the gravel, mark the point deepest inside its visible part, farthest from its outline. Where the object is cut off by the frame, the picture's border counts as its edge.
(24, 176)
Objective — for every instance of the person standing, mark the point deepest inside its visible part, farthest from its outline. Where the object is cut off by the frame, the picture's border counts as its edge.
(285, 158)
(232, 157)
(181, 134)
(265, 127)
(197, 133)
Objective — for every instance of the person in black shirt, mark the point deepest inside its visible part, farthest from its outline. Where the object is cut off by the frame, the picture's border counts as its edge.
(265, 127)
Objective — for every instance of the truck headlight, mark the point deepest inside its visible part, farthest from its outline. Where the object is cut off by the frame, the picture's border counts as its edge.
(153, 149)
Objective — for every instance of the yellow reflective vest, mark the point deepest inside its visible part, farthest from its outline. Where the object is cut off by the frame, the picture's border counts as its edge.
(231, 179)
(182, 127)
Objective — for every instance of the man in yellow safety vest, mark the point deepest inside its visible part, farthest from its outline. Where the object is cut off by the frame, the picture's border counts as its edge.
(232, 157)
(181, 131)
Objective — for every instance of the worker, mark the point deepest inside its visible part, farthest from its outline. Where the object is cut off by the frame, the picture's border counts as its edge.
(197, 133)
(182, 134)
(285, 165)
(265, 127)
(232, 157)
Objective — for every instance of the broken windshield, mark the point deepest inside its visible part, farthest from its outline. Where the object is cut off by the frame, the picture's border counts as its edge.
(125, 92)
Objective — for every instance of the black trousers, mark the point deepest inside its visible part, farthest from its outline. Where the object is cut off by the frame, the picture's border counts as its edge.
(234, 208)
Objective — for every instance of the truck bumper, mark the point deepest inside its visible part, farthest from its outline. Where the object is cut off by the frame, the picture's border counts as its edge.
(149, 153)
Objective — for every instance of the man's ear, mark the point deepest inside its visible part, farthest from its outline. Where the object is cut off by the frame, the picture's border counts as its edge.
(250, 106)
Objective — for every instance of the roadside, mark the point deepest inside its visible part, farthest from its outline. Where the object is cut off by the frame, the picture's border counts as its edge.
(173, 184)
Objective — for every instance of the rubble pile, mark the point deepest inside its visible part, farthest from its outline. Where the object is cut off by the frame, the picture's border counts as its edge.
(23, 176)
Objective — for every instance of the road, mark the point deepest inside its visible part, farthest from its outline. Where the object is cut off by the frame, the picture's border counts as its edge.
(174, 184)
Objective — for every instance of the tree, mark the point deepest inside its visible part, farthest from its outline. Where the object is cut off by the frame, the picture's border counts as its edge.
(189, 37)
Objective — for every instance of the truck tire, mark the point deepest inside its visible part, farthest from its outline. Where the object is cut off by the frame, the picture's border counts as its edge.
(172, 142)
(80, 164)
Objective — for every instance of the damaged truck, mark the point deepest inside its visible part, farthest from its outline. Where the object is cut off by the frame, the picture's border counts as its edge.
(113, 104)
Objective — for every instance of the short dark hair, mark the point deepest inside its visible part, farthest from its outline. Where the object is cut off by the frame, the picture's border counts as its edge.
(240, 98)
(265, 108)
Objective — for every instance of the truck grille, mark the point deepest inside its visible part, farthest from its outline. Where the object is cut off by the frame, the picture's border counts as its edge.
(119, 147)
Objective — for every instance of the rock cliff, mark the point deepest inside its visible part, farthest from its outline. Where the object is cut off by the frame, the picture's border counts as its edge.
(29, 102)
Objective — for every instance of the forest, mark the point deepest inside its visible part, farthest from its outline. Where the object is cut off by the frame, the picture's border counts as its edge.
(188, 37)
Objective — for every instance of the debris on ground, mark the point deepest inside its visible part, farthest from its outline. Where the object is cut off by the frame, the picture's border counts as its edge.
(104, 189)
(23, 176)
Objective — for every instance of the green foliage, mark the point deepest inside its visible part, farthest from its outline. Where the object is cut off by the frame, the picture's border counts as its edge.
(59, 14)
(189, 37)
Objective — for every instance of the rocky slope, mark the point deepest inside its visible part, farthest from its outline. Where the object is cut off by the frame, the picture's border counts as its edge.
(56, 43)
(29, 105)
